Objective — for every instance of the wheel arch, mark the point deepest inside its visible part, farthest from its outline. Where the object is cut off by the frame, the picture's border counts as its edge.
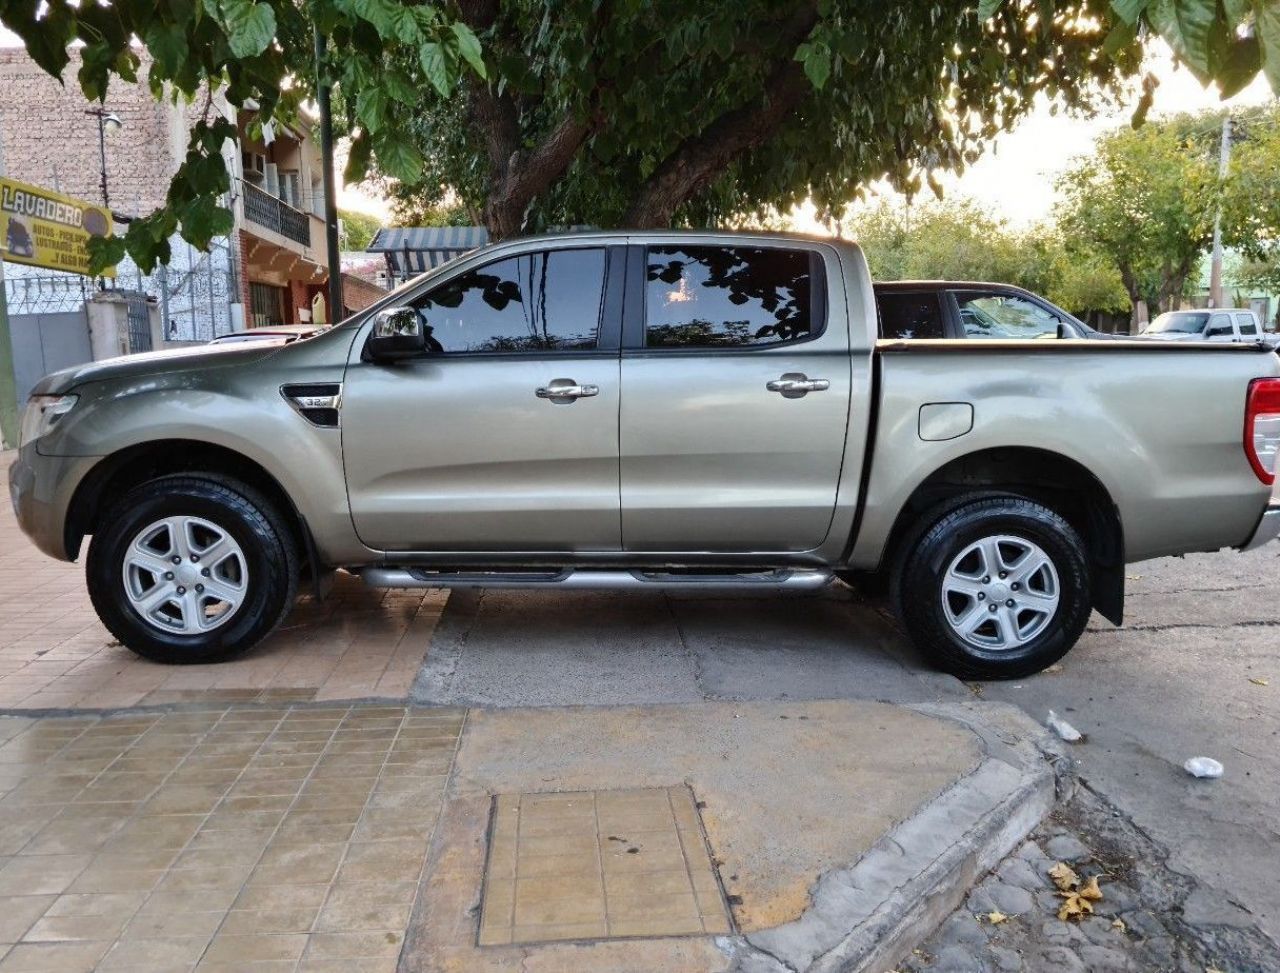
(1060, 483)
(134, 465)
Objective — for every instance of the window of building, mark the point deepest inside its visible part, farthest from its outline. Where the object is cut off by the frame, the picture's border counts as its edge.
(543, 301)
(730, 297)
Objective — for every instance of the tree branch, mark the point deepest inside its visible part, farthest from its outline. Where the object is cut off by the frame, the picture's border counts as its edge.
(697, 160)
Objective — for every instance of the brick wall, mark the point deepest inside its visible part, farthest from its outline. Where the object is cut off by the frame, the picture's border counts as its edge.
(49, 141)
(358, 294)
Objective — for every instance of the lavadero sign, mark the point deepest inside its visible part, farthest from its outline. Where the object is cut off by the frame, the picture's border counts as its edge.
(46, 229)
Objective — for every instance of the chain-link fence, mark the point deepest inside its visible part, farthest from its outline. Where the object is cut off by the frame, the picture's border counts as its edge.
(194, 292)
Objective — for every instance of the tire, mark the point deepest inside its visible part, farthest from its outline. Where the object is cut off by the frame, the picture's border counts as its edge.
(251, 557)
(943, 599)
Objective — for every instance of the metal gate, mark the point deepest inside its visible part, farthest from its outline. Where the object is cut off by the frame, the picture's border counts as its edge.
(44, 343)
(139, 322)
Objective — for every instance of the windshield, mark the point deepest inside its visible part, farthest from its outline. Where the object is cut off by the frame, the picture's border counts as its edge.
(1179, 322)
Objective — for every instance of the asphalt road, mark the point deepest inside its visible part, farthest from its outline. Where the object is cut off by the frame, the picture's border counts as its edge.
(1172, 684)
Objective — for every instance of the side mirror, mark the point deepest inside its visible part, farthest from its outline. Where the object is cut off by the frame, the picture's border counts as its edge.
(397, 333)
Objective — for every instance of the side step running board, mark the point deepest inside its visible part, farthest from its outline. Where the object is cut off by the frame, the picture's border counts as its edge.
(791, 579)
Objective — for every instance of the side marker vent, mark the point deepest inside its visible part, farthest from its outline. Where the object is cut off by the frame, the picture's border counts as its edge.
(319, 404)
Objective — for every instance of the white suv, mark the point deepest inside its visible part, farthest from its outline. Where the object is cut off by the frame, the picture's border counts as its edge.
(1212, 324)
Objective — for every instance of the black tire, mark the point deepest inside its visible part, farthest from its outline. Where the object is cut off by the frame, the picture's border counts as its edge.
(917, 589)
(268, 546)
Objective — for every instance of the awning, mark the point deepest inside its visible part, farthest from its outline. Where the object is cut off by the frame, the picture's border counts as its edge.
(412, 250)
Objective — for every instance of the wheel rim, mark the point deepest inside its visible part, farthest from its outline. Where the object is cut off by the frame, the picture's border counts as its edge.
(185, 575)
(1000, 592)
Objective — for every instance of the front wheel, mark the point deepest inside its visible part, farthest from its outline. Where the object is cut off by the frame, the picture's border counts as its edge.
(192, 568)
(997, 588)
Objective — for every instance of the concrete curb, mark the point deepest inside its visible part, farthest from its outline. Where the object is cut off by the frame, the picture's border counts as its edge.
(869, 916)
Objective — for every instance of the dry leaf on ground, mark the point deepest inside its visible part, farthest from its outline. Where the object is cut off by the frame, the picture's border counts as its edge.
(997, 917)
(1064, 876)
(1119, 926)
(1260, 682)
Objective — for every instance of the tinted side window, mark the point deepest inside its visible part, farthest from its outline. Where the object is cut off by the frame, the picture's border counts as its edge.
(910, 315)
(543, 301)
(1219, 326)
(996, 315)
(1246, 324)
(729, 297)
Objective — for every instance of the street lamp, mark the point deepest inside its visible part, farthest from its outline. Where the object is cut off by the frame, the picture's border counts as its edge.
(106, 120)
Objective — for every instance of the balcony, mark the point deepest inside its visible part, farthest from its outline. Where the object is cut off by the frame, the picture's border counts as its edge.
(276, 215)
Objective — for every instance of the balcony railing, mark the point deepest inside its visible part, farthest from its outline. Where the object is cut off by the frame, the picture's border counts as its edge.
(277, 215)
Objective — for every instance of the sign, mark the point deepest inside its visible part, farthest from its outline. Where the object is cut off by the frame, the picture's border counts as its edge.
(45, 229)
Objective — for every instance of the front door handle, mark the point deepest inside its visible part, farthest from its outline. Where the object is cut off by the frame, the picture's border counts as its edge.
(566, 390)
(793, 385)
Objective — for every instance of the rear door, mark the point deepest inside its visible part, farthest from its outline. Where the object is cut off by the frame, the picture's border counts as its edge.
(1247, 325)
(504, 437)
(736, 390)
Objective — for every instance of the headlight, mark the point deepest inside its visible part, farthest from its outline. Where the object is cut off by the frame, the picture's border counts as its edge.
(42, 412)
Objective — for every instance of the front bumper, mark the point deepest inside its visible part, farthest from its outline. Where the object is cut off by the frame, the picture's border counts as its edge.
(40, 489)
(1268, 527)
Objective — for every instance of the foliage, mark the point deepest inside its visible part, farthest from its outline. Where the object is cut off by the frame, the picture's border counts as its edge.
(1146, 199)
(958, 240)
(259, 57)
(645, 114)
(357, 228)
(408, 209)
(621, 111)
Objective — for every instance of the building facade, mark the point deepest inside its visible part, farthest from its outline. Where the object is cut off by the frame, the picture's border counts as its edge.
(270, 270)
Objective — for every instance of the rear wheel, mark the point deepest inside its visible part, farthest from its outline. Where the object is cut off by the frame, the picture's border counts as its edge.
(192, 568)
(996, 588)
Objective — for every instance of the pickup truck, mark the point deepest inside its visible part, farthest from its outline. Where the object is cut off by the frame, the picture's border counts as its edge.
(685, 411)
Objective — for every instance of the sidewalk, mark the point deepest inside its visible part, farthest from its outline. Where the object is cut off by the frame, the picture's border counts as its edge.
(305, 837)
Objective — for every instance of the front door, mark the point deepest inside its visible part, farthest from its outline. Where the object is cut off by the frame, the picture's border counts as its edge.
(735, 399)
(504, 437)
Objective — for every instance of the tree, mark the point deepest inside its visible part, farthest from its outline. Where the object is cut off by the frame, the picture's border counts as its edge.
(357, 228)
(958, 240)
(647, 114)
(258, 55)
(1145, 199)
(626, 112)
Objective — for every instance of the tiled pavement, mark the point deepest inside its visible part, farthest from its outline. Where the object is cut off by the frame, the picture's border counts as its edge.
(54, 653)
(599, 864)
(254, 838)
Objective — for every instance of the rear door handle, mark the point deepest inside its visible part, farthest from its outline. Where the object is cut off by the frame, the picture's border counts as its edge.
(566, 389)
(792, 385)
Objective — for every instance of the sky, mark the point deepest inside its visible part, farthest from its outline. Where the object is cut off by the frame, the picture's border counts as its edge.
(1014, 178)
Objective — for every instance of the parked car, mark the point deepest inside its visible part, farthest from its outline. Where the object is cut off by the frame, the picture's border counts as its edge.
(683, 411)
(280, 334)
(1225, 324)
(971, 309)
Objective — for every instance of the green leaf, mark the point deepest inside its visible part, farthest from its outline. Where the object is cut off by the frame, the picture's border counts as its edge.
(469, 47)
(371, 108)
(1240, 66)
(987, 8)
(1129, 10)
(358, 158)
(385, 16)
(250, 27)
(817, 65)
(1268, 30)
(405, 25)
(1187, 26)
(399, 157)
(1120, 37)
(167, 44)
(436, 67)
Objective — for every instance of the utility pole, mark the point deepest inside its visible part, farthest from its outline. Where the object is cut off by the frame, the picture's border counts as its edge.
(330, 193)
(1215, 266)
(8, 384)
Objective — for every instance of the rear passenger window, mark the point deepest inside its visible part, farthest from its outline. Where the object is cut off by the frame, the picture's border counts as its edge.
(1246, 324)
(1219, 326)
(731, 297)
(910, 315)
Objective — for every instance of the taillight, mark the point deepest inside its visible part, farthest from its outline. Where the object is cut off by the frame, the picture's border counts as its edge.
(1262, 427)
